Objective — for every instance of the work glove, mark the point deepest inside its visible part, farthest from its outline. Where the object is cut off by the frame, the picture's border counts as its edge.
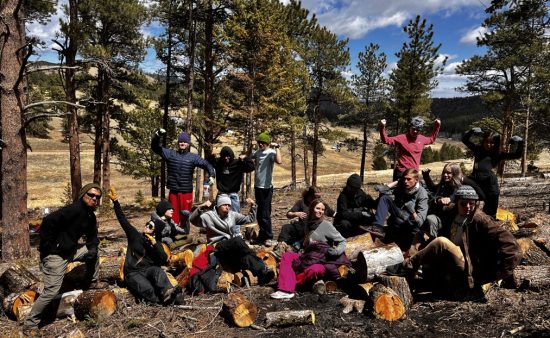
(161, 132)
(477, 130)
(113, 196)
(332, 252)
(236, 231)
(211, 180)
(89, 256)
(515, 139)
(150, 239)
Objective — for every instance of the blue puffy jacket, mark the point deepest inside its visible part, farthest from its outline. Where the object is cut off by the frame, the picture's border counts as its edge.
(181, 165)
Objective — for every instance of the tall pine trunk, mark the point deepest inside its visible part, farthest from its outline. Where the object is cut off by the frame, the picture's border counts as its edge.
(13, 162)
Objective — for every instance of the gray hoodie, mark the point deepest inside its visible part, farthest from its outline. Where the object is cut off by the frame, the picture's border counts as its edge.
(165, 229)
(218, 229)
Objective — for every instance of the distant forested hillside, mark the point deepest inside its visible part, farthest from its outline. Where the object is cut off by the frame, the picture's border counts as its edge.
(458, 113)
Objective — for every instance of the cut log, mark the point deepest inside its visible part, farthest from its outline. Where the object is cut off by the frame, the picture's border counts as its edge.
(542, 238)
(532, 253)
(290, 318)
(16, 279)
(268, 259)
(251, 231)
(344, 270)
(400, 286)
(238, 279)
(385, 303)
(319, 287)
(110, 270)
(182, 259)
(18, 305)
(356, 244)
(225, 281)
(183, 278)
(371, 263)
(239, 310)
(509, 219)
(351, 304)
(250, 278)
(96, 304)
(331, 286)
(534, 278)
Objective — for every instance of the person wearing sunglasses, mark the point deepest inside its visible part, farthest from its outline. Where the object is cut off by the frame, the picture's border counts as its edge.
(475, 251)
(265, 158)
(59, 235)
(409, 145)
(145, 257)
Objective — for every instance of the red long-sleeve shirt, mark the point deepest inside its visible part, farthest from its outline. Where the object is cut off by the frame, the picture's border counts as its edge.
(409, 150)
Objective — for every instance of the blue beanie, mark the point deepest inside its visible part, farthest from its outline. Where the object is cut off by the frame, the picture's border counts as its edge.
(184, 137)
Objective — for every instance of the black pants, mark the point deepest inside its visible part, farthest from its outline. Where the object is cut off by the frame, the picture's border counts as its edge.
(148, 284)
(293, 232)
(234, 255)
(488, 182)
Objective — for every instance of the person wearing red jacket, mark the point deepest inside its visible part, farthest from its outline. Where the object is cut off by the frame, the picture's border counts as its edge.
(409, 145)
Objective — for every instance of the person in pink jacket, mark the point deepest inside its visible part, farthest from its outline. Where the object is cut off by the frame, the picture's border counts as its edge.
(409, 145)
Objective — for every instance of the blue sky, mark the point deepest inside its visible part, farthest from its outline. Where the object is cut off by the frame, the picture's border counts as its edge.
(456, 25)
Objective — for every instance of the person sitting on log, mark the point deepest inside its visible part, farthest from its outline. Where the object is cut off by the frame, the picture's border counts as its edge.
(407, 210)
(441, 199)
(295, 232)
(223, 230)
(143, 273)
(59, 235)
(323, 253)
(488, 156)
(477, 250)
(353, 208)
(166, 230)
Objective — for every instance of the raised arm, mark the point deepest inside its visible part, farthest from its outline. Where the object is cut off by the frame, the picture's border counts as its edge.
(384, 138)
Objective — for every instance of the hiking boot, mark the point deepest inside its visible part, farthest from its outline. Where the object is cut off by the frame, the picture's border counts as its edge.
(403, 269)
(281, 295)
(375, 230)
(171, 294)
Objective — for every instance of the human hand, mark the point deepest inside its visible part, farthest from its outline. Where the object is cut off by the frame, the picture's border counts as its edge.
(150, 239)
(413, 216)
(161, 132)
(205, 205)
(113, 196)
(211, 180)
(242, 157)
(332, 252)
(383, 122)
(274, 145)
(438, 121)
(444, 200)
(236, 230)
(89, 256)
(477, 130)
(250, 201)
(301, 215)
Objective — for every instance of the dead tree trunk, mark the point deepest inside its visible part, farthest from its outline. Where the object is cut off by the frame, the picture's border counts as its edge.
(13, 140)
(373, 262)
(532, 277)
(287, 318)
(356, 244)
(16, 279)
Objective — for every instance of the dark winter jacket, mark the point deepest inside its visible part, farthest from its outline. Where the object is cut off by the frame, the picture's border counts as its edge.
(350, 208)
(485, 160)
(490, 251)
(317, 253)
(140, 253)
(229, 177)
(409, 202)
(166, 230)
(181, 165)
(61, 230)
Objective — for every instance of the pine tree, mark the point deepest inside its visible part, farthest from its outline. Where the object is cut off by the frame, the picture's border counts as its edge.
(414, 77)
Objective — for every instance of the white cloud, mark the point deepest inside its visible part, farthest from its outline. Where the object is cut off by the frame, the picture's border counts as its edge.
(355, 18)
(470, 38)
(47, 32)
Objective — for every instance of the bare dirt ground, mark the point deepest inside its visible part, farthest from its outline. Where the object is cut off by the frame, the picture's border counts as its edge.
(506, 312)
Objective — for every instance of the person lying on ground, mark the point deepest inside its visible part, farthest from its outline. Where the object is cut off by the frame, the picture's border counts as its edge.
(323, 253)
(294, 232)
(409, 145)
(407, 211)
(223, 230)
(487, 156)
(144, 257)
(353, 208)
(477, 250)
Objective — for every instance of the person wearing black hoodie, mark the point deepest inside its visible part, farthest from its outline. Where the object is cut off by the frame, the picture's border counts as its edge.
(59, 235)
(142, 266)
(229, 174)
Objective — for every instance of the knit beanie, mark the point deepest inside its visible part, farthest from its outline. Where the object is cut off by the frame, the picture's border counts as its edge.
(163, 206)
(222, 200)
(87, 187)
(264, 137)
(417, 122)
(466, 192)
(354, 181)
(184, 137)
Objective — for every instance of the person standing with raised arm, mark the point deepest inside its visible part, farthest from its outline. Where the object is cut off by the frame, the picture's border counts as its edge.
(409, 145)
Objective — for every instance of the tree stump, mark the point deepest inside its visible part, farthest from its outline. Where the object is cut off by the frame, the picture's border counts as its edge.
(400, 286)
(18, 305)
(534, 278)
(386, 303)
(290, 318)
(532, 253)
(373, 262)
(239, 310)
(356, 244)
(97, 304)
